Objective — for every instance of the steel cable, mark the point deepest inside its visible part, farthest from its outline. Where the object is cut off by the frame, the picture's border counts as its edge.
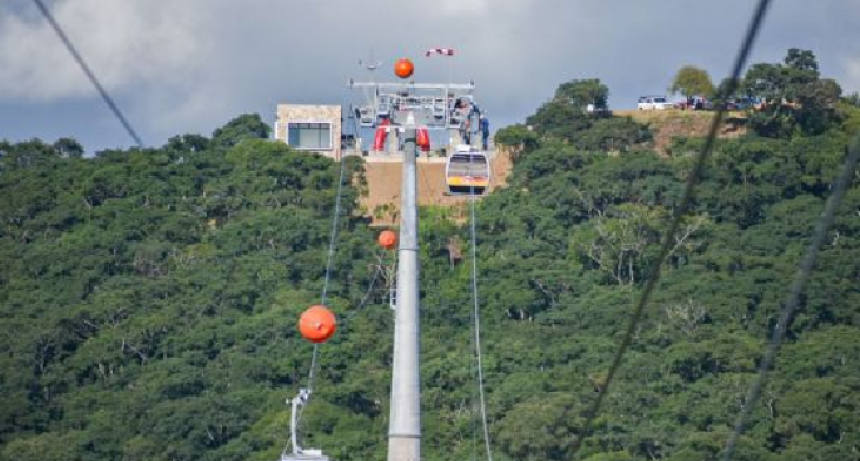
(680, 211)
(477, 316)
(86, 68)
(797, 286)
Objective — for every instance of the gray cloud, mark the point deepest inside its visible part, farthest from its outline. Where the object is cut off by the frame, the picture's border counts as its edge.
(189, 65)
(128, 43)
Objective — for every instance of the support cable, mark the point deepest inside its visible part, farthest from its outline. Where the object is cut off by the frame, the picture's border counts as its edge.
(364, 298)
(333, 236)
(327, 278)
(86, 68)
(797, 286)
(680, 211)
(477, 319)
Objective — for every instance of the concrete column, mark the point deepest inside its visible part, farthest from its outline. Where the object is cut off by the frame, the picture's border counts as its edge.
(404, 426)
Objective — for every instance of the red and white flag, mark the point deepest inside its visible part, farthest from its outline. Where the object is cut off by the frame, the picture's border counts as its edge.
(440, 51)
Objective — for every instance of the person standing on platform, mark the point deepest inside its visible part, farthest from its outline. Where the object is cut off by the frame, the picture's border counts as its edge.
(465, 131)
(485, 132)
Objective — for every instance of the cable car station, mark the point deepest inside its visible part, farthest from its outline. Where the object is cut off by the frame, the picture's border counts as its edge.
(451, 128)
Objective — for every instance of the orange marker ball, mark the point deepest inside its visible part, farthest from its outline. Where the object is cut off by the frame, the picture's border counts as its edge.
(317, 324)
(387, 239)
(404, 68)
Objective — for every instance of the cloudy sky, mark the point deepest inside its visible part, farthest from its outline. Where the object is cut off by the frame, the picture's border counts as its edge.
(189, 66)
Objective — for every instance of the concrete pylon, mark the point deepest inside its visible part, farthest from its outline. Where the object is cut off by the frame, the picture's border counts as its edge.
(404, 425)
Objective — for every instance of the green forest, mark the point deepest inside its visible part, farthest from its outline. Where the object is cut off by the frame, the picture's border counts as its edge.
(149, 297)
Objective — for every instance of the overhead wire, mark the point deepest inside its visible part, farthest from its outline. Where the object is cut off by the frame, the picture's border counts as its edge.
(740, 61)
(365, 298)
(90, 74)
(333, 235)
(327, 277)
(793, 300)
(345, 321)
(477, 317)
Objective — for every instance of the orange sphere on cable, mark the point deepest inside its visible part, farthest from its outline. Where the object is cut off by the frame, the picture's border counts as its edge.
(404, 68)
(317, 324)
(387, 239)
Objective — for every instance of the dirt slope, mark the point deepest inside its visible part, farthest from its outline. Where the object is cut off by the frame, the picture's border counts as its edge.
(384, 176)
(670, 124)
(384, 183)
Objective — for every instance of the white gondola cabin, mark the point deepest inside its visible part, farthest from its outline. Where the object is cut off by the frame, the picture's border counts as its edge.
(467, 171)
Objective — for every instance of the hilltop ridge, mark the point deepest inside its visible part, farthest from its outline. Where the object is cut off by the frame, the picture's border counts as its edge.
(668, 125)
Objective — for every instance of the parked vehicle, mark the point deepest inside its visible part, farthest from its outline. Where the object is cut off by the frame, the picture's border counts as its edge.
(654, 103)
(696, 103)
(741, 103)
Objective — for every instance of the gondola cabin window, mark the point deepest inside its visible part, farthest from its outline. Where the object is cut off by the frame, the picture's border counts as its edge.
(310, 136)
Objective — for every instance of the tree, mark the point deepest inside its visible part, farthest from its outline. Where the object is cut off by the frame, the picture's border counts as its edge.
(622, 241)
(565, 119)
(692, 81)
(517, 137)
(796, 97)
(248, 126)
(559, 118)
(613, 134)
(802, 61)
(566, 112)
(552, 421)
(188, 143)
(68, 147)
(581, 93)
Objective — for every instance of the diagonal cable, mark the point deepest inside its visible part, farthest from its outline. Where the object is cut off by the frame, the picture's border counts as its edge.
(86, 68)
(364, 299)
(793, 300)
(680, 211)
(345, 323)
(328, 264)
(333, 235)
(477, 313)
(327, 279)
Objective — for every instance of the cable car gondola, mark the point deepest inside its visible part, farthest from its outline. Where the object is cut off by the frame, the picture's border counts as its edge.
(467, 171)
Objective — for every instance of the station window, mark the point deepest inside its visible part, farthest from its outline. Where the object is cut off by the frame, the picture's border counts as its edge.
(310, 136)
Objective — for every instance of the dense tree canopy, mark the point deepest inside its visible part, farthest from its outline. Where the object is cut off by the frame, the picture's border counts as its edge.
(249, 126)
(581, 93)
(796, 98)
(149, 300)
(566, 119)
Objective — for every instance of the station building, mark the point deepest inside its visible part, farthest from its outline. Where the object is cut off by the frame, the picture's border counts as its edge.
(310, 127)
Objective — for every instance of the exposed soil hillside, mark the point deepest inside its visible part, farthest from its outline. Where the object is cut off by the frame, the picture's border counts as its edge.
(384, 182)
(670, 124)
(384, 177)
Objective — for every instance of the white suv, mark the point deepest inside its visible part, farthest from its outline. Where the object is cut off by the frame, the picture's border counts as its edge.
(654, 103)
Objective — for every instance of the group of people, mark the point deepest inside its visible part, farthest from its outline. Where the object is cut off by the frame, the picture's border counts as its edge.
(466, 124)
